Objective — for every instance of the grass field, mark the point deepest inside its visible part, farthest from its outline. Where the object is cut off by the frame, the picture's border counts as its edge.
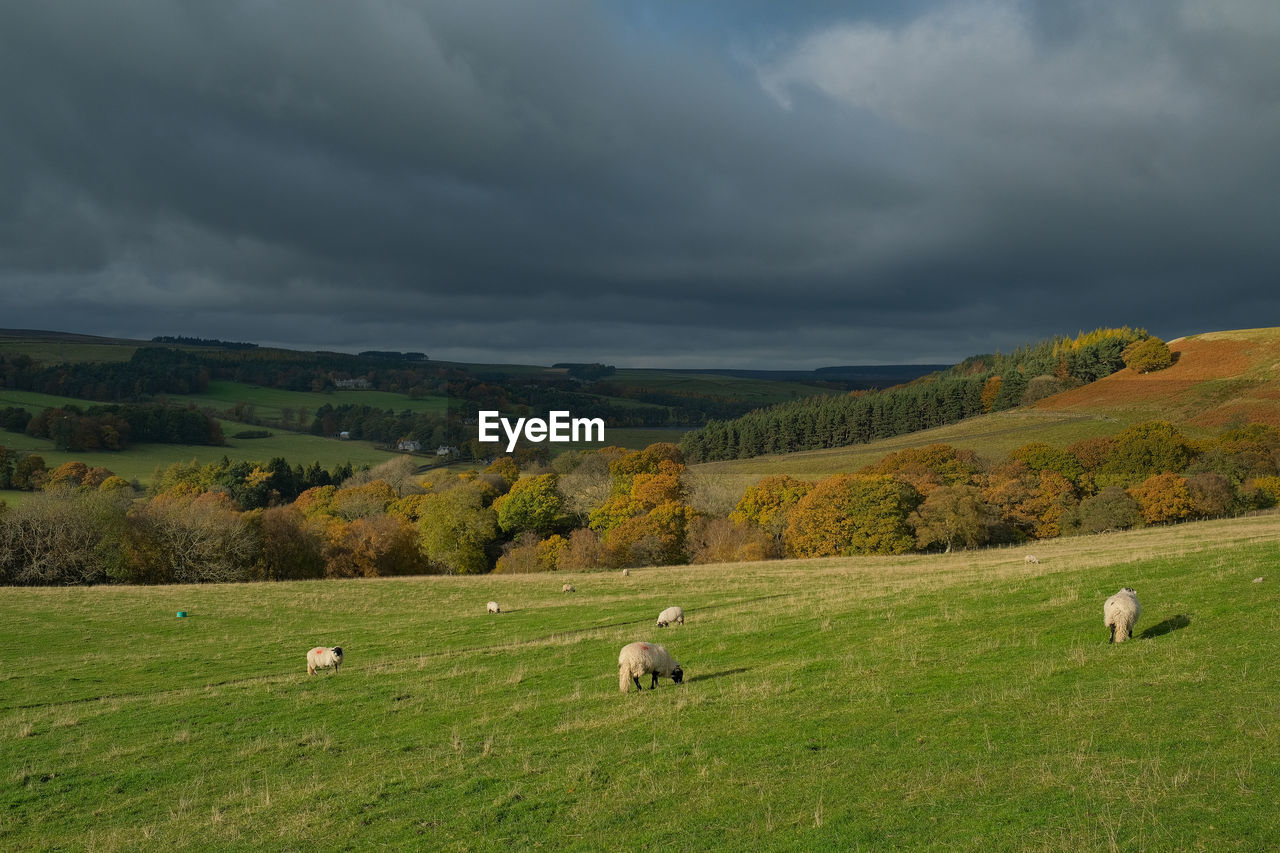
(990, 436)
(950, 702)
(269, 403)
(141, 460)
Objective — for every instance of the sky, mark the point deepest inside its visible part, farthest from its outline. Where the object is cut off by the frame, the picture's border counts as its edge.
(692, 183)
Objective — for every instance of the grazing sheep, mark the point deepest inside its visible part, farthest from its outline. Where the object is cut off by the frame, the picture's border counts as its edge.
(671, 614)
(568, 588)
(1120, 614)
(494, 608)
(626, 573)
(322, 658)
(637, 659)
(1031, 558)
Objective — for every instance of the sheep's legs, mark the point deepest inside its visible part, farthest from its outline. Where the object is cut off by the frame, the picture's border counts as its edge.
(654, 684)
(636, 679)
(1113, 633)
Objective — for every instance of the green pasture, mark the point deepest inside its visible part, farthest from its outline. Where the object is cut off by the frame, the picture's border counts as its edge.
(270, 403)
(140, 461)
(45, 350)
(952, 702)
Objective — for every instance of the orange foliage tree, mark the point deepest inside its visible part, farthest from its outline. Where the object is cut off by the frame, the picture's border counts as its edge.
(853, 514)
(1163, 498)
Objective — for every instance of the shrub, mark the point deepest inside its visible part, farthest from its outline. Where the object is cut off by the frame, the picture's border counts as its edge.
(1147, 356)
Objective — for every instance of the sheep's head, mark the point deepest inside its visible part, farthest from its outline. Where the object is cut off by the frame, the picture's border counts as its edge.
(337, 651)
(1130, 590)
(677, 675)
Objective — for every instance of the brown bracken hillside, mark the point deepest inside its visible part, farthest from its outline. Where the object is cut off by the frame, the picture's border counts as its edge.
(1217, 379)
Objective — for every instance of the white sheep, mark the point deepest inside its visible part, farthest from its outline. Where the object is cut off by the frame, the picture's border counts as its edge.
(1031, 558)
(637, 659)
(568, 588)
(671, 614)
(626, 573)
(494, 608)
(1120, 613)
(322, 658)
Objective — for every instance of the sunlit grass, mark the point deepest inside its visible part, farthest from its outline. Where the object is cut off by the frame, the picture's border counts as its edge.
(962, 701)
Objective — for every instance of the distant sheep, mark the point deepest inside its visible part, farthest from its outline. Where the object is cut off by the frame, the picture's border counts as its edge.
(671, 614)
(322, 658)
(637, 659)
(626, 573)
(568, 588)
(494, 608)
(1031, 558)
(1120, 613)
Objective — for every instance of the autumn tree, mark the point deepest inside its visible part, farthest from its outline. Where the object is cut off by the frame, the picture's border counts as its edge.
(533, 504)
(367, 500)
(1143, 450)
(654, 538)
(457, 529)
(1030, 503)
(528, 554)
(28, 472)
(724, 540)
(63, 538)
(373, 546)
(1038, 456)
(181, 538)
(954, 517)
(583, 551)
(585, 482)
(929, 467)
(853, 514)
(768, 504)
(1163, 498)
(1113, 508)
(1211, 495)
(290, 548)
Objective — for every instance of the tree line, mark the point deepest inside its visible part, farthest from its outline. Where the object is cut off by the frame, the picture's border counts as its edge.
(610, 508)
(977, 385)
(114, 427)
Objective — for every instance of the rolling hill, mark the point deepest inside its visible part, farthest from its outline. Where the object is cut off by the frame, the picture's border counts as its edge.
(1219, 379)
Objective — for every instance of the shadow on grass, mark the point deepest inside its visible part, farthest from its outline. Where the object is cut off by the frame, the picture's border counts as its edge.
(1173, 623)
(712, 675)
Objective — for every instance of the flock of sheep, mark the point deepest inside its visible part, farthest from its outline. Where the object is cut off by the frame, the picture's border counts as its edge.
(1119, 614)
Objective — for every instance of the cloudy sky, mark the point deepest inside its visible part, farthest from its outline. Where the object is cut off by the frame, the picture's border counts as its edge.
(732, 183)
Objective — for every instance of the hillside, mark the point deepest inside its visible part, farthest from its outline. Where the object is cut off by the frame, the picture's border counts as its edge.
(1217, 379)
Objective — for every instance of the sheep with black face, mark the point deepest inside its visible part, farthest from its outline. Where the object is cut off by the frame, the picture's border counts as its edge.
(322, 658)
(637, 659)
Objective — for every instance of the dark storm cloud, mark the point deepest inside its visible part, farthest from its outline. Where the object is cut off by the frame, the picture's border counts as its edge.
(684, 184)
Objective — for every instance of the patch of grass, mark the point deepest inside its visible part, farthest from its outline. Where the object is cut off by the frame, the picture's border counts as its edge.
(960, 701)
(990, 436)
(270, 403)
(140, 461)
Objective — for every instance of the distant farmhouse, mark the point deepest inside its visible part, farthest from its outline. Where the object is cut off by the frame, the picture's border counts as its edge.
(408, 445)
(359, 384)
